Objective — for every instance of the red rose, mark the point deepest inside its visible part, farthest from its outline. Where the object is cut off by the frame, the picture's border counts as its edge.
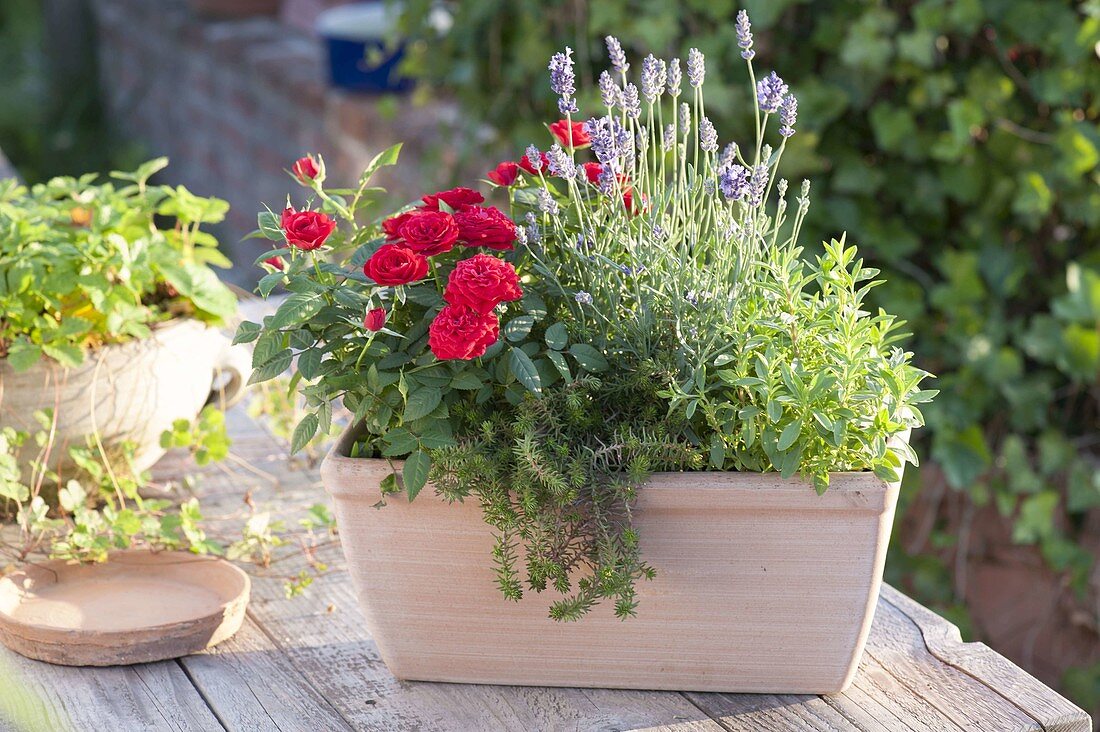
(395, 265)
(482, 282)
(277, 262)
(525, 164)
(306, 229)
(457, 198)
(462, 332)
(375, 319)
(429, 232)
(392, 225)
(562, 129)
(485, 227)
(304, 169)
(592, 172)
(505, 173)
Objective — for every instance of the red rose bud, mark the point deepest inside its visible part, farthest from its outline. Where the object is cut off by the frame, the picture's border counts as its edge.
(505, 174)
(305, 169)
(592, 172)
(392, 225)
(395, 265)
(429, 232)
(485, 227)
(525, 164)
(375, 319)
(482, 282)
(277, 262)
(456, 198)
(563, 131)
(460, 332)
(306, 230)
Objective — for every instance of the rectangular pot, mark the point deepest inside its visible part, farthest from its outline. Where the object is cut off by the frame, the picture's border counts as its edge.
(762, 586)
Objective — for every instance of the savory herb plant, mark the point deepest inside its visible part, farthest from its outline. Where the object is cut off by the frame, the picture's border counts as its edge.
(651, 311)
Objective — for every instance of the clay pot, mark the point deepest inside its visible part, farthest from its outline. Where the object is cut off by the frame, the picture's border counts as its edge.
(762, 586)
(126, 392)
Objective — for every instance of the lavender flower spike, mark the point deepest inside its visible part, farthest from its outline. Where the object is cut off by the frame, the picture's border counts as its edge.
(758, 184)
(788, 113)
(685, 118)
(650, 89)
(563, 81)
(559, 162)
(610, 93)
(584, 298)
(674, 77)
(534, 157)
(728, 156)
(744, 35)
(669, 139)
(708, 136)
(770, 92)
(546, 202)
(631, 102)
(733, 181)
(615, 53)
(696, 67)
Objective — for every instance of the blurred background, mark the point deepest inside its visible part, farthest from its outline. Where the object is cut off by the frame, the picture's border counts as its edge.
(956, 141)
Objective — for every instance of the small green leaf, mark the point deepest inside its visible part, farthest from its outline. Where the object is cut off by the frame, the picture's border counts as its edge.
(524, 370)
(421, 403)
(247, 332)
(557, 336)
(298, 308)
(415, 473)
(790, 434)
(518, 327)
(588, 357)
(309, 363)
(303, 433)
(65, 354)
(268, 223)
(23, 355)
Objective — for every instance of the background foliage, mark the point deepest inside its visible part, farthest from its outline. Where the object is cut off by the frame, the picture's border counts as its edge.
(956, 142)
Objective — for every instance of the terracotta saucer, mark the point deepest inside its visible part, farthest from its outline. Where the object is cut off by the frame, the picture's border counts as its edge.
(137, 607)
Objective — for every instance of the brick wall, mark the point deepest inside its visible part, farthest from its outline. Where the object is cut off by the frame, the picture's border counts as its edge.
(234, 103)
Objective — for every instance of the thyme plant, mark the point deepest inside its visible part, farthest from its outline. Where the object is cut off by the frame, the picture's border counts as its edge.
(652, 310)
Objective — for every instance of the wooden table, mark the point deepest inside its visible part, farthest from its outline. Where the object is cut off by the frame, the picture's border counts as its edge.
(309, 664)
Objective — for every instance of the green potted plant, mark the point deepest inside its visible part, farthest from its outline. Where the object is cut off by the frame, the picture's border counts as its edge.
(633, 394)
(110, 313)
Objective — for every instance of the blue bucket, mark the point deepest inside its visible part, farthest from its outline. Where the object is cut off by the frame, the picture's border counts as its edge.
(360, 57)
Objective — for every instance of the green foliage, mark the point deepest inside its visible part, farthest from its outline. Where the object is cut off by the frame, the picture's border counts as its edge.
(85, 264)
(206, 438)
(957, 142)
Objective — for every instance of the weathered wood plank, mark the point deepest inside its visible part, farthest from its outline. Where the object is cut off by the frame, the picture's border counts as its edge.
(325, 636)
(942, 639)
(38, 696)
(252, 686)
(896, 644)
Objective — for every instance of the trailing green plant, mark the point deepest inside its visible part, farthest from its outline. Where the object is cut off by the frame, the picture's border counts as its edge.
(87, 264)
(653, 312)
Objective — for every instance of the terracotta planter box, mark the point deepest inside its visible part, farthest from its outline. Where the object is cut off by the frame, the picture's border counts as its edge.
(131, 391)
(762, 586)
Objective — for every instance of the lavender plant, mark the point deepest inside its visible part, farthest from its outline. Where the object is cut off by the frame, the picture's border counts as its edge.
(684, 329)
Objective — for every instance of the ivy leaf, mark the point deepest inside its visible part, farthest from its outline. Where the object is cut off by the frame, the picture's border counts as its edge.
(298, 308)
(415, 473)
(557, 336)
(524, 370)
(421, 403)
(304, 432)
(588, 357)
